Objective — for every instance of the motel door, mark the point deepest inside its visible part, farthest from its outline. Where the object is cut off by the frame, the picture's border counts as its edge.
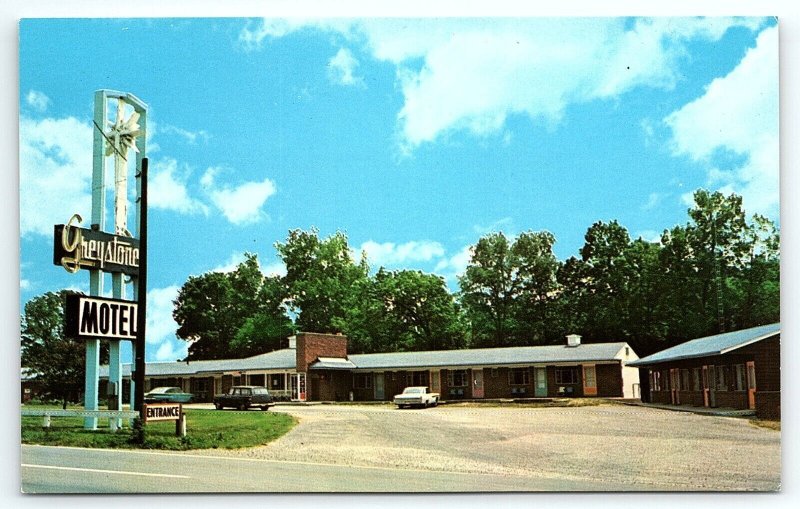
(379, 392)
(674, 385)
(751, 384)
(436, 379)
(477, 383)
(712, 384)
(540, 375)
(298, 386)
(589, 381)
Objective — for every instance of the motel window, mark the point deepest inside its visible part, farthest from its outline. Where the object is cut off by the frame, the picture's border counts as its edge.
(457, 378)
(518, 376)
(278, 382)
(415, 378)
(722, 378)
(685, 385)
(741, 381)
(566, 375)
(696, 379)
(362, 381)
(655, 382)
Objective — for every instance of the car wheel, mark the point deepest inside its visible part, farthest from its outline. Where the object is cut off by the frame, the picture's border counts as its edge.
(436, 402)
(243, 407)
(218, 405)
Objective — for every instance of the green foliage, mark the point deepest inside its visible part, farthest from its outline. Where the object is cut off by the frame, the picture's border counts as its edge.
(55, 361)
(403, 311)
(232, 314)
(320, 278)
(715, 273)
(507, 288)
(206, 429)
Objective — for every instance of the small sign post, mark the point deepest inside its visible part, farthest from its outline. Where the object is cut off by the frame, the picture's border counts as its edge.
(166, 412)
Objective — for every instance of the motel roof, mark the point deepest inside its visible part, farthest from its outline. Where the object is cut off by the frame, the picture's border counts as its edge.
(518, 355)
(277, 360)
(285, 360)
(711, 345)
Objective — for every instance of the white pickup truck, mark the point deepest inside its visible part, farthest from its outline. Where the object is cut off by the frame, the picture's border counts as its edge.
(416, 396)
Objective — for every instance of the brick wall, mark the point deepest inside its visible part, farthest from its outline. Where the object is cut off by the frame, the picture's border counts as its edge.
(330, 385)
(765, 354)
(609, 380)
(311, 345)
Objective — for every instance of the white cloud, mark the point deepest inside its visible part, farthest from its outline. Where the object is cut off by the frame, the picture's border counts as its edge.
(190, 136)
(653, 200)
(161, 327)
(167, 352)
(24, 284)
(55, 157)
(37, 100)
(505, 225)
(738, 113)
(237, 257)
(456, 265)
(471, 74)
(240, 204)
(389, 253)
(252, 37)
(167, 189)
(274, 269)
(341, 68)
(648, 235)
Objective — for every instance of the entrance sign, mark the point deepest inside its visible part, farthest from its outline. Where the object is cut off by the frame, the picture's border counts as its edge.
(94, 317)
(76, 248)
(162, 411)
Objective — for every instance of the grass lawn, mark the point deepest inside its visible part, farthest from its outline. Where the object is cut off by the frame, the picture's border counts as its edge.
(205, 429)
(764, 423)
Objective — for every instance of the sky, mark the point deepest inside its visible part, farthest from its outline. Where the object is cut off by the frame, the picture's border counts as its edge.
(413, 136)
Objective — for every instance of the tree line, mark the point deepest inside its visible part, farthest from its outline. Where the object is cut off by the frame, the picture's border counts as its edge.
(720, 271)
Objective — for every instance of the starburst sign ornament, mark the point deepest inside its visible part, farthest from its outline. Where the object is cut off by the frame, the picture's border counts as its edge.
(121, 137)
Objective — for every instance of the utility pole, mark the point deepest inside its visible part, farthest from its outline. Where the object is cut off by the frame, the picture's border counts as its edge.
(141, 317)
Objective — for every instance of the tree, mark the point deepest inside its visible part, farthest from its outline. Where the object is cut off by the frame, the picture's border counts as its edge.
(403, 310)
(232, 314)
(321, 279)
(507, 288)
(266, 329)
(488, 291)
(56, 362)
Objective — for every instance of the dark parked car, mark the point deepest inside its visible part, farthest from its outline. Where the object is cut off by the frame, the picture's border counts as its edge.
(243, 397)
(167, 395)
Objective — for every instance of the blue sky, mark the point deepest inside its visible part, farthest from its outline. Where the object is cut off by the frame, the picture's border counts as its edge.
(415, 137)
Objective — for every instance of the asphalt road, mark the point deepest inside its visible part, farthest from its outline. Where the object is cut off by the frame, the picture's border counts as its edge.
(71, 470)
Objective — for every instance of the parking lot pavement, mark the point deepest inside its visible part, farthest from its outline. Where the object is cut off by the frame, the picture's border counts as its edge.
(633, 447)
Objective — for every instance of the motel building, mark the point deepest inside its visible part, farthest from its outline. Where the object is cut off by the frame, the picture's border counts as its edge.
(316, 367)
(739, 370)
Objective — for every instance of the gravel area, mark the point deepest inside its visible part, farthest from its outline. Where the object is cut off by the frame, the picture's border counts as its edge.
(635, 447)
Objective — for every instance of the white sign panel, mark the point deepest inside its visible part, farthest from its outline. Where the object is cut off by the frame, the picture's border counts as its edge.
(94, 317)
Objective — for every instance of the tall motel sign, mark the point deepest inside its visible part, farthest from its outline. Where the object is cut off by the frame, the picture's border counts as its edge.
(117, 252)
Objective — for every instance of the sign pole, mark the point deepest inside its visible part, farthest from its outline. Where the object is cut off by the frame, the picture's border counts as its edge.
(141, 315)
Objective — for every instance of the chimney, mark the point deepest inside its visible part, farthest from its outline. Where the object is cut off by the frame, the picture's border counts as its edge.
(573, 340)
(292, 341)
